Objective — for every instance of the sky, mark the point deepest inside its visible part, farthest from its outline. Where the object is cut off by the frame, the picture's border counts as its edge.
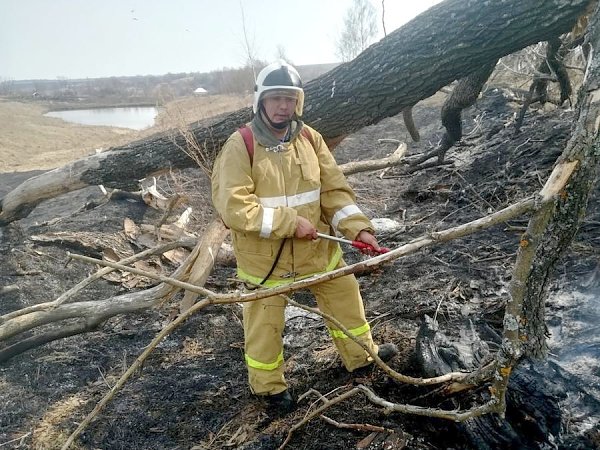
(50, 39)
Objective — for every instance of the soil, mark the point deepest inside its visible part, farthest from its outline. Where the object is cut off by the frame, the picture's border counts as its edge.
(192, 391)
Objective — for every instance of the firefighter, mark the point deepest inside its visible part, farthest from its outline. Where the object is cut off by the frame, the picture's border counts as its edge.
(275, 185)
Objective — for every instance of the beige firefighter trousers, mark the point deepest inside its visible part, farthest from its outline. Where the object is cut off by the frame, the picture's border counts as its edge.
(264, 321)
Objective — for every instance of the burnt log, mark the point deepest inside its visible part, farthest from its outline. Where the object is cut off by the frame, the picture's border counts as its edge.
(448, 42)
(554, 67)
(533, 415)
(439, 354)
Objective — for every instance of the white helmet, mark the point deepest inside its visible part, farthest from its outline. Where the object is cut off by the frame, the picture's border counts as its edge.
(278, 76)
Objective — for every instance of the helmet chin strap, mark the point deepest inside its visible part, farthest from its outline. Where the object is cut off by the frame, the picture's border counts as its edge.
(277, 126)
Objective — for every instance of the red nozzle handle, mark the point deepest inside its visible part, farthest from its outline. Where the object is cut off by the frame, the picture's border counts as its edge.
(362, 246)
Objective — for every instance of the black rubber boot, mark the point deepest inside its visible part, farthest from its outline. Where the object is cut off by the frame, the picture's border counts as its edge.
(387, 351)
(281, 403)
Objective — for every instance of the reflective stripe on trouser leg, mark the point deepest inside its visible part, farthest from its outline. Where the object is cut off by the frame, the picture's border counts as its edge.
(341, 299)
(263, 327)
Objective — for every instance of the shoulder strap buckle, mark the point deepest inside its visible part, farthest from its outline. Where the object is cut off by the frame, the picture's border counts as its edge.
(248, 137)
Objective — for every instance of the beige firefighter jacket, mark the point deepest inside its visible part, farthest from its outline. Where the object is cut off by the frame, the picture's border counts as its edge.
(260, 201)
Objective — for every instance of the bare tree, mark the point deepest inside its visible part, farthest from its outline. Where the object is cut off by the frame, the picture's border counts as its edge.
(281, 53)
(360, 27)
(252, 60)
(383, 17)
(6, 86)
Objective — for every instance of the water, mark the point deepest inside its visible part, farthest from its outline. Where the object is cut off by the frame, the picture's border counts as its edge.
(136, 118)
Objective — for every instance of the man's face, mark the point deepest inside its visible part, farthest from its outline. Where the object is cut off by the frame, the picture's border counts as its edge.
(279, 105)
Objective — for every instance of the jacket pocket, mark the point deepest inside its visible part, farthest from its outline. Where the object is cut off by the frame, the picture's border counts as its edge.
(253, 245)
(309, 166)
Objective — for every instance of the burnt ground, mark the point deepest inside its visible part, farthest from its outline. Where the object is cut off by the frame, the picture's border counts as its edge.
(192, 393)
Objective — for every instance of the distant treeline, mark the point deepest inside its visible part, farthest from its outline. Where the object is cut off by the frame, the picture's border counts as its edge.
(144, 88)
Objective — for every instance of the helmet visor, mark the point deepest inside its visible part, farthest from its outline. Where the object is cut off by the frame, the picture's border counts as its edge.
(287, 93)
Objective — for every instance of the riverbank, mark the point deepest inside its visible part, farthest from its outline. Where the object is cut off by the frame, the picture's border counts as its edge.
(31, 141)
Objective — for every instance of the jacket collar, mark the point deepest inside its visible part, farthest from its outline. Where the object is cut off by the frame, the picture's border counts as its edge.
(263, 134)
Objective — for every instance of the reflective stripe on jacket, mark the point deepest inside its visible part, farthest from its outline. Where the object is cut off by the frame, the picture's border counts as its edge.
(259, 202)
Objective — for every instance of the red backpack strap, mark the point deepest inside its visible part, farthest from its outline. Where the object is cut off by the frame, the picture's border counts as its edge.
(304, 132)
(248, 137)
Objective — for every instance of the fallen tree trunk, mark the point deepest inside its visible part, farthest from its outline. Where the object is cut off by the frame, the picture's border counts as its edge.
(447, 42)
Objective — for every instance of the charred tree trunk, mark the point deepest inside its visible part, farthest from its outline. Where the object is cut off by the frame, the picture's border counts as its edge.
(448, 42)
(570, 210)
(556, 63)
(409, 122)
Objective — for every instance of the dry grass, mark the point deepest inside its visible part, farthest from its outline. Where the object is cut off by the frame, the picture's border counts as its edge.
(192, 349)
(31, 141)
(50, 433)
(190, 109)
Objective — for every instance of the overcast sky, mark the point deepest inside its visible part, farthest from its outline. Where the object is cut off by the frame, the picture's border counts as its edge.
(100, 38)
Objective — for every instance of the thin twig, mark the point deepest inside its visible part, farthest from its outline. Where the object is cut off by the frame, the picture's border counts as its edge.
(457, 416)
(102, 375)
(20, 439)
(437, 310)
(356, 426)
(317, 412)
(353, 426)
(162, 278)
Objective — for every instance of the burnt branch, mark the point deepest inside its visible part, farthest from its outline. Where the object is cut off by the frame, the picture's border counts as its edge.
(551, 69)
(464, 95)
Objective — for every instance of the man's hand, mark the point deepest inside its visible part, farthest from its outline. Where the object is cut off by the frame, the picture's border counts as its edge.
(305, 229)
(368, 238)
